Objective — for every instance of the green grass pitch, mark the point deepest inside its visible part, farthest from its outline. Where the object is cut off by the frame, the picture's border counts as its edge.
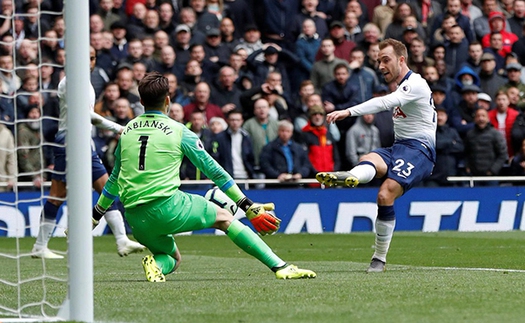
(430, 277)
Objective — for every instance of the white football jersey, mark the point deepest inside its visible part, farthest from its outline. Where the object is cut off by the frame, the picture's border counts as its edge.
(412, 107)
(63, 106)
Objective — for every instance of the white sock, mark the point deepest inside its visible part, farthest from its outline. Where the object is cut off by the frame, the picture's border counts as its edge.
(44, 233)
(384, 232)
(364, 172)
(116, 223)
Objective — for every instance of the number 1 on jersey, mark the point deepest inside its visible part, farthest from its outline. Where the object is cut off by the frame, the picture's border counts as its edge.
(142, 154)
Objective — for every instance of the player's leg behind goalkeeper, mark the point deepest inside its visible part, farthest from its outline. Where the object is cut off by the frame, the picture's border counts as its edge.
(154, 223)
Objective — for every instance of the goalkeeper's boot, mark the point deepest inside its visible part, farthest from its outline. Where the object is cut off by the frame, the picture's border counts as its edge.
(376, 266)
(44, 253)
(152, 271)
(292, 272)
(126, 246)
(337, 178)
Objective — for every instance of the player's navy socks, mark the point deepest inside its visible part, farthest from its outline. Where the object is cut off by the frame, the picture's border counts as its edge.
(50, 211)
(165, 262)
(250, 242)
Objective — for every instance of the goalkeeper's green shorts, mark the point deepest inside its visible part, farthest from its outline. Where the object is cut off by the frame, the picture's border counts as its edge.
(154, 223)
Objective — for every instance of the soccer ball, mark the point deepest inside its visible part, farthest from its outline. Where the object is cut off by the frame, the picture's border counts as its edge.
(216, 196)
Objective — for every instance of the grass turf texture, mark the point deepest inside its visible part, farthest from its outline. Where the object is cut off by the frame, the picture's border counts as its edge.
(430, 277)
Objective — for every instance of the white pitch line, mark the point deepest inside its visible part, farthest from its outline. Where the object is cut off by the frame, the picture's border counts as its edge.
(456, 268)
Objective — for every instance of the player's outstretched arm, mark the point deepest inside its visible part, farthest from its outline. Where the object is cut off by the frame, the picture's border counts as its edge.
(337, 115)
(103, 123)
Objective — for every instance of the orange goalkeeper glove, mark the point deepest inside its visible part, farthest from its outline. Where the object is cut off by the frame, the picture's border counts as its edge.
(263, 222)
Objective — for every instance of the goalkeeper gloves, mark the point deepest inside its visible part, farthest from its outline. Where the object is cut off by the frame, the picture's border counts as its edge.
(98, 213)
(263, 222)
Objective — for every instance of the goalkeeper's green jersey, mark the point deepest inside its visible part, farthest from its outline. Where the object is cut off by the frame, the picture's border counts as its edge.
(148, 159)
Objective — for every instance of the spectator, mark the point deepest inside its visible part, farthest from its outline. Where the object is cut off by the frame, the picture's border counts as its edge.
(105, 105)
(168, 64)
(383, 15)
(497, 23)
(372, 35)
(176, 94)
(215, 7)
(166, 18)
(342, 47)
(176, 112)
(475, 51)
(106, 13)
(197, 124)
(202, 103)
(96, 24)
(323, 69)
(309, 11)
(244, 77)
(252, 41)
(283, 158)
(306, 47)
(456, 50)
(209, 68)
(276, 58)
(276, 20)
(148, 51)
(454, 8)
(361, 139)
(119, 50)
(226, 94)
(353, 31)
(261, 128)
(128, 90)
(484, 101)
(518, 17)
(272, 91)
(228, 37)
(216, 52)
(34, 26)
(490, 81)
(481, 24)
(217, 125)
(449, 151)
(139, 71)
(517, 165)
(7, 159)
(465, 76)
(182, 44)
(135, 51)
(161, 40)
(361, 76)
(514, 79)
(232, 148)
(485, 149)
(241, 15)
(28, 147)
(340, 94)
(205, 19)
(322, 150)
(462, 117)
(417, 59)
(192, 76)
(188, 17)
(299, 110)
(440, 35)
(502, 118)
(396, 28)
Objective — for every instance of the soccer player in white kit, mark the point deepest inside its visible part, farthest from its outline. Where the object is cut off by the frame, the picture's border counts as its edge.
(58, 190)
(412, 156)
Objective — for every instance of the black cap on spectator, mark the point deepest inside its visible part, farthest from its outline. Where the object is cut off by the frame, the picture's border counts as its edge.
(270, 50)
(213, 32)
(438, 88)
(118, 24)
(250, 27)
(470, 88)
(441, 107)
(336, 23)
(409, 29)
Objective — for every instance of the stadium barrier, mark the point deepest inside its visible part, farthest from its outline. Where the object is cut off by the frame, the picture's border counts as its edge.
(339, 210)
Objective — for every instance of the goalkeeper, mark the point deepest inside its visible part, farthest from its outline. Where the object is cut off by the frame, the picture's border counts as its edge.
(146, 178)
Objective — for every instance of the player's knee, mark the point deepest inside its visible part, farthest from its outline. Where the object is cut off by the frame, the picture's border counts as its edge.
(385, 197)
(223, 219)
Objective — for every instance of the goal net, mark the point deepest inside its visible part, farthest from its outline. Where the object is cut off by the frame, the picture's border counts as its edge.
(32, 61)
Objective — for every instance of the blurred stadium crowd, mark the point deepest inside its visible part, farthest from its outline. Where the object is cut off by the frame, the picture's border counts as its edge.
(256, 78)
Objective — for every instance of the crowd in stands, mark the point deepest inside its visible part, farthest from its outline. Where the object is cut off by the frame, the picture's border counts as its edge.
(254, 79)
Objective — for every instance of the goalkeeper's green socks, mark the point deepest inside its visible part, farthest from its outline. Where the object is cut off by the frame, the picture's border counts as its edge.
(166, 263)
(250, 242)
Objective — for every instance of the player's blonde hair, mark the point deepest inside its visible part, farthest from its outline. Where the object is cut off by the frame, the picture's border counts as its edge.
(399, 48)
